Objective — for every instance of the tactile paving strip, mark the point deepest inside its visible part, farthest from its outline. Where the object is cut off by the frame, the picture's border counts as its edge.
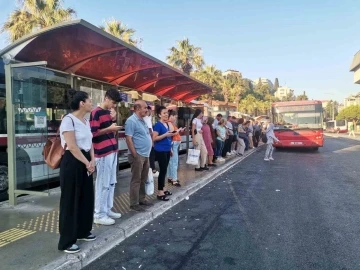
(13, 235)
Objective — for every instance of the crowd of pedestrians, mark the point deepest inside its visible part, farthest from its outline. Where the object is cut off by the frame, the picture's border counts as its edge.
(91, 144)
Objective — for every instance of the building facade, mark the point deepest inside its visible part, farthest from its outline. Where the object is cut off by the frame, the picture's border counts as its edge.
(283, 91)
(263, 81)
(352, 100)
(355, 67)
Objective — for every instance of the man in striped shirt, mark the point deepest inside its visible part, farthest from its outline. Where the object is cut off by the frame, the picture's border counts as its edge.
(103, 127)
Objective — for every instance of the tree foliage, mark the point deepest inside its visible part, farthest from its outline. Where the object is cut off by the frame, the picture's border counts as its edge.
(276, 84)
(32, 15)
(185, 56)
(330, 110)
(302, 97)
(121, 31)
(351, 113)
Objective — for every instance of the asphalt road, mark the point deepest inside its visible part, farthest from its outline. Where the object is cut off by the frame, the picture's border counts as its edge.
(301, 211)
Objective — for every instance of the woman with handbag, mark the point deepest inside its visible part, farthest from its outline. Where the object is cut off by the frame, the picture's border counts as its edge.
(241, 137)
(198, 140)
(76, 180)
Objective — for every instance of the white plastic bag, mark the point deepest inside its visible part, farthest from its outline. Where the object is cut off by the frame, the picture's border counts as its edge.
(193, 157)
(149, 185)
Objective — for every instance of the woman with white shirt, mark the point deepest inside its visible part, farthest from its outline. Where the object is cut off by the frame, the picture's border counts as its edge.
(198, 141)
(76, 180)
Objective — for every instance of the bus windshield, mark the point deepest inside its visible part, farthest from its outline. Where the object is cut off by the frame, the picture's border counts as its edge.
(298, 117)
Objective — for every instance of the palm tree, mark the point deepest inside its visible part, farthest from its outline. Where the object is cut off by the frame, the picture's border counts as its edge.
(212, 77)
(209, 75)
(121, 31)
(33, 15)
(185, 56)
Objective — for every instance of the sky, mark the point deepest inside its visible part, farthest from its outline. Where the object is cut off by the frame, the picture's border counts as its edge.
(309, 45)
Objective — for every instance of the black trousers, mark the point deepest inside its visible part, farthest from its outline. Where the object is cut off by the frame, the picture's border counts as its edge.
(256, 138)
(227, 146)
(76, 200)
(163, 159)
(152, 159)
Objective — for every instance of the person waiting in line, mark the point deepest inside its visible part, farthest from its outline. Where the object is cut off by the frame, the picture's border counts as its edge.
(148, 122)
(220, 139)
(241, 137)
(139, 143)
(257, 133)
(235, 124)
(174, 158)
(229, 138)
(270, 135)
(162, 145)
(213, 137)
(214, 125)
(104, 127)
(76, 179)
(245, 126)
(208, 140)
(250, 132)
(216, 121)
(198, 140)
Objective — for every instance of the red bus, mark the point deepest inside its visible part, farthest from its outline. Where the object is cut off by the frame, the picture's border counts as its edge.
(298, 124)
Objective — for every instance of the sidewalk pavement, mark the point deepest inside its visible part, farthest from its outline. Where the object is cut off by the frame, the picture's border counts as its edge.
(29, 231)
(343, 135)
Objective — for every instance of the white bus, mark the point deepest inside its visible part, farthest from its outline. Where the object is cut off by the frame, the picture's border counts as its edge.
(337, 126)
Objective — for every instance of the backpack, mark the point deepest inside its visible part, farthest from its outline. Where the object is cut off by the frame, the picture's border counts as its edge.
(53, 151)
(264, 138)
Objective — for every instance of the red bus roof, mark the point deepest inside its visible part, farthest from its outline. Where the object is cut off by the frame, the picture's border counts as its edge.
(294, 103)
(80, 48)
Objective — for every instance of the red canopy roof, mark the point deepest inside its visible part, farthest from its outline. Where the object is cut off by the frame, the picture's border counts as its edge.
(82, 49)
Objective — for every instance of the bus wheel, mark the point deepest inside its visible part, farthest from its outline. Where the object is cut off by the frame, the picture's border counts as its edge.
(316, 148)
(4, 179)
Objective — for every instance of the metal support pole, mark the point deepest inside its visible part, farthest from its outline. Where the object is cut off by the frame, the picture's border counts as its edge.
(187, 134)
(11, 150)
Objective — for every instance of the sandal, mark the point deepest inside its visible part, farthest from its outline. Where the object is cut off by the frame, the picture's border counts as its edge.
(168, 193)
(162, 198)
(176, 183)
(170, 180)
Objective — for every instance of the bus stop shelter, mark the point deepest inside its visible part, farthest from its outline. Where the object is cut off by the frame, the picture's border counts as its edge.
(61, 55)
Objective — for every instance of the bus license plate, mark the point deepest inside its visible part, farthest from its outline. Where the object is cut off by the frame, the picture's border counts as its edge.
(296, 143)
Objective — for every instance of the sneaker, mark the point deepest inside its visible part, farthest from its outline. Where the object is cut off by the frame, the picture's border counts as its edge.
(156, 174)
(233, 152)
(146, 203)
(266, 159)
(112, 214)
(270, 158)
(73, 249)
(198, 169)
(89, 238)
(228, 154)
(104, 221)
(137, 208)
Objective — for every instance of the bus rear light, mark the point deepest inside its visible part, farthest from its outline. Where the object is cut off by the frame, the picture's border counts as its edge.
(318, 137)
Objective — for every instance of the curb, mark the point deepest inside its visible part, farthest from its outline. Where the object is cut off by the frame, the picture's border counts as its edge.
(118, 233)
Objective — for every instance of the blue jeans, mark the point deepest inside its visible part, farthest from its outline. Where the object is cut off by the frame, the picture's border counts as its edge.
(219, 147)
(174, 161)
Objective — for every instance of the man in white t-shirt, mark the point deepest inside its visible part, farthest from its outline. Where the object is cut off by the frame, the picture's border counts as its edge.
(228, 141)
(216, 121)
(148, 121)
